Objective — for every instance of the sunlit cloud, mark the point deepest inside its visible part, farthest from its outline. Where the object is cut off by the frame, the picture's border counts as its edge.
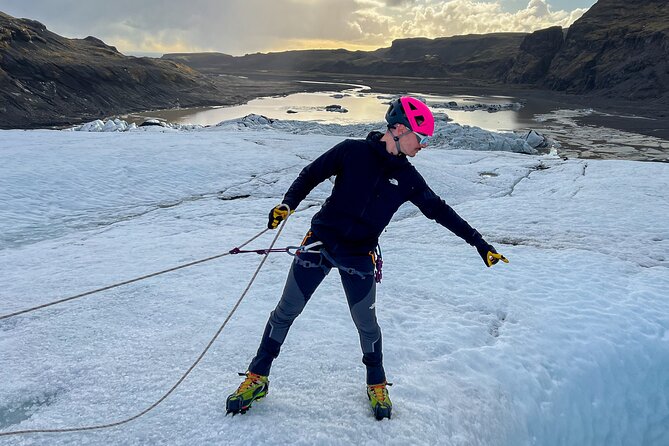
(156, 46)
(246, 26)
(455, 17)
(311, 44)
(373, 25)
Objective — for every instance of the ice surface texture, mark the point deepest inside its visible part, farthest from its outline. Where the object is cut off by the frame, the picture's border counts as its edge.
(566, 345)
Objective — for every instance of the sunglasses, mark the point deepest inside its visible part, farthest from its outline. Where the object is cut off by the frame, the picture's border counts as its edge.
(422, 139)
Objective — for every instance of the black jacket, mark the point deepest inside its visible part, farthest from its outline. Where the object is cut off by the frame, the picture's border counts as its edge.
(370, 186)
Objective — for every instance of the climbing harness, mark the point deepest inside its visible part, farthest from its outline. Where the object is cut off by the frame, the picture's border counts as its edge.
(294, 251)
(347, 269)
(190, 369)
(323, 254)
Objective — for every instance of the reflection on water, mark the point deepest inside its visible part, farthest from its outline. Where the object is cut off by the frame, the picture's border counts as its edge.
(576, 139)
(361, 106)
(505, 120)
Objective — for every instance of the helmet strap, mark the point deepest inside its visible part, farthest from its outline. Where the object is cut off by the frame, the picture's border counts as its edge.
(397, 141)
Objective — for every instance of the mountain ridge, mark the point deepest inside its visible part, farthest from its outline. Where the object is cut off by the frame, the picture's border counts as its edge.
(617, 49)
(49, 80)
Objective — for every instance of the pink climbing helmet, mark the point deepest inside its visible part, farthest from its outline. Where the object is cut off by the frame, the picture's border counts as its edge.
(412, 113)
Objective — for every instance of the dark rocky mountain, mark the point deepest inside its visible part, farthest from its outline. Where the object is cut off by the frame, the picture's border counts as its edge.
(46, 79)
(288, 61)
(482, 56)
(49, 80)
(535, 55)
(618, 47)
(201, 61)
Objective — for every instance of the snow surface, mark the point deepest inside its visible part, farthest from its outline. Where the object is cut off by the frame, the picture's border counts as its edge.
(566, 345)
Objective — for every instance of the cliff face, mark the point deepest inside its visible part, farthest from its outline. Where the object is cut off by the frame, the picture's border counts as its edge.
(46, 79)
(619, 47)
(482, 56)
(535, 55)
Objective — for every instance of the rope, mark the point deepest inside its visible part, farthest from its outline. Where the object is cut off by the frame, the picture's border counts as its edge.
(183, 377)
(88, 293)
(291, 250)
(260, 251)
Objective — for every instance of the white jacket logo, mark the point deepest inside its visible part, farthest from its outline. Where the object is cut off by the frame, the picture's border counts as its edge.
(393, 181)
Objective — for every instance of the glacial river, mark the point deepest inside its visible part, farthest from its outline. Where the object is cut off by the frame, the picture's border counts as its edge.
(356, 105)
(360, 105)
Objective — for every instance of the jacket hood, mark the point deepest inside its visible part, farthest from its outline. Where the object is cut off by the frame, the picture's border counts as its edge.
(374, 136)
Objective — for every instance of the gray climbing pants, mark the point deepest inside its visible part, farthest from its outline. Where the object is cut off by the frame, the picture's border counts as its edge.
(306, 274)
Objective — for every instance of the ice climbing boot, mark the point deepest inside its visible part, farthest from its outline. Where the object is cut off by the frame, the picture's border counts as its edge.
(379, 400)
(252, 388)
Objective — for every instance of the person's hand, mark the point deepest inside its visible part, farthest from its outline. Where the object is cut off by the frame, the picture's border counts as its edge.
(489, 255)
(277, 215)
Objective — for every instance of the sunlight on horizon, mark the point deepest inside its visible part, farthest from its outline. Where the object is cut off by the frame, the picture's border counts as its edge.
(256, 26)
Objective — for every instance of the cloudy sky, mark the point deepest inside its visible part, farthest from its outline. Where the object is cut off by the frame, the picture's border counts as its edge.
(238, 27)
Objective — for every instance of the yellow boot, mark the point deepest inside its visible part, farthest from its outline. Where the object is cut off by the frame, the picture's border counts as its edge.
(380, 400)
(252, 388)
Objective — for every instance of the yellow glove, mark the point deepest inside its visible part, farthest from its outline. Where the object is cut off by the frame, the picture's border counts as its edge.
(489, 255)
(277, 215)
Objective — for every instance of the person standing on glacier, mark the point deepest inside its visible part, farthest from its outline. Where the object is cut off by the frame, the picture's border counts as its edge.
(373, 179)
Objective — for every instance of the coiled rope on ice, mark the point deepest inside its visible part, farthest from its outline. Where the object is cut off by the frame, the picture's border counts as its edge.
(190, 369)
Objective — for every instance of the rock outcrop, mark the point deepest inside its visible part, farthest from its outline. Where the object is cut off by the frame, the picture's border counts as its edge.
(48, 80)
(619, 48)
(535, 55)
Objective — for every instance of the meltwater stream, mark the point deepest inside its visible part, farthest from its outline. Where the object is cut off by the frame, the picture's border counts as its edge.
(357, 105)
